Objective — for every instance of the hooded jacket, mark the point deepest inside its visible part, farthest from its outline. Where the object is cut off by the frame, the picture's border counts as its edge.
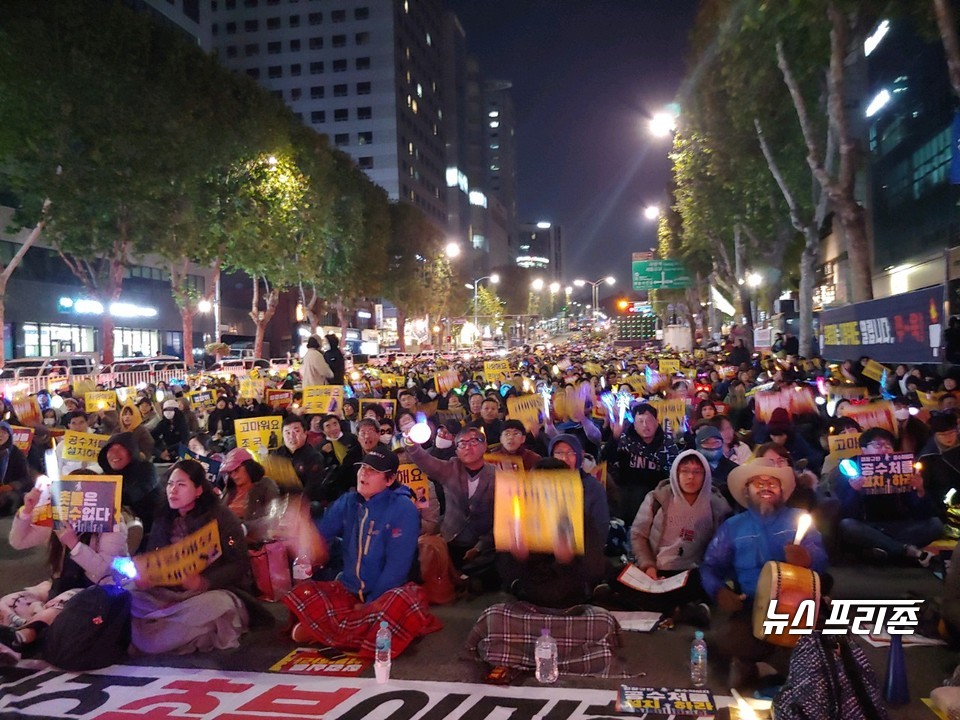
(696, 523)
(335, 360)
(169, 434)
(141, 491)
(14, 475)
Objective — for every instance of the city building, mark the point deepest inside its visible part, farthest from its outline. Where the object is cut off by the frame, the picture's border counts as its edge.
(540, 246)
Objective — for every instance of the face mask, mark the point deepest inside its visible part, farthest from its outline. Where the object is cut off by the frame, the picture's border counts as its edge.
(411, 383)
(901, 413)
(443, 443)
(588, 465)
(168, 414)
(712, 455)
(431, 394)
(49, 422)
(386, 438)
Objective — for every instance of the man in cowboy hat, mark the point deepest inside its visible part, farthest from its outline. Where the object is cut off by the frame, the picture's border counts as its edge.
(741, 547)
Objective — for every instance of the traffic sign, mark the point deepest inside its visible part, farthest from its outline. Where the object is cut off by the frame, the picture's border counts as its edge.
(660, 275)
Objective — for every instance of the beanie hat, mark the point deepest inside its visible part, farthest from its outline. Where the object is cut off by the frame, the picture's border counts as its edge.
(779, 422)
(706, 432)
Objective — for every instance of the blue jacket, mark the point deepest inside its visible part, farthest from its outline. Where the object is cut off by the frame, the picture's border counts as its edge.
(745, 542)
(379, 540)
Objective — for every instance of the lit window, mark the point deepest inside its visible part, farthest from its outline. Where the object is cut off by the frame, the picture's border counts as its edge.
(419, 90)
(494, 113)
(494, 123)
(414, 107)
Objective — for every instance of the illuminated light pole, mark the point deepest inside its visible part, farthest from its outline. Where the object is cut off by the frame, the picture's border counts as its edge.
(609, 280)
(494, 279)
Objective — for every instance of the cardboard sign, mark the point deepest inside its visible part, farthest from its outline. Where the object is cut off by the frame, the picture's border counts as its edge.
(101, 400)
(323, 399)
(90, 503)
(22, 437)
(82, 447)
(278, 399)
(666, 701)
(873, 370)
(637, 382)
(212, 467)
(415, 479)
(27, 410)
(389, 407)
(126, 394)
(200, 399)
(887, 474)
(171, 565)
(875, 414)
(672, 415)
(510, 463)
(326, 661)
(796, 400)
(252, 388)
(391, 380)
(55, 385)
(930, 401)
(526, 409)
(446, 381)
(541, 508)
(844, 446)
(847, 392)
(669, 367)
(254, 433)
(496, 370)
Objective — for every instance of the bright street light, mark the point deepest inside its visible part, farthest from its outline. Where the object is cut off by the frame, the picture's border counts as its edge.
(662, 124)
(651, 212)
(609, 280)
(754, 279)
(204, 306)
(537, 284)
(554, 287)
(452, 250)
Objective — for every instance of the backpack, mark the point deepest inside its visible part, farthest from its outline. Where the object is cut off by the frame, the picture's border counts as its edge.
(829, 677)
(92, 631)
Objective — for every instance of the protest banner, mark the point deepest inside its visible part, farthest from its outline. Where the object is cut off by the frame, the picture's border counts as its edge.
(22, 437)
(844, 446)
(211, 466)
(278, 399)
(254, 433)
(415, 479)
(569, 403)
(668, 366)
(796, 400)
(876, 414)
(887, 474)
(389, 407)
(542, 508)
(324, 661)
(511, 463)
(82, 447)
(672, 415)
(126, 394)
(873, 370)
(27, 410)
(90, 503)
(100, 400)
(526, 409)
(446, 381)
(496, 370)
(171, 565)
(323, 399)
(252, 388)
(202, 399)
(674, 702)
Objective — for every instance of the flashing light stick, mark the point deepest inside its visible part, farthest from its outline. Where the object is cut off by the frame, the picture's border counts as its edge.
(124, 566)
(420, 432)
(849, 468)
(159, 396)
(802, 526)
(603, 382)
(913, 410)
(917, 466)
(648, 376)
(545, 392)
(623, 400)
(609, 401)
(516, 518)
(832, 406)
(56, 402)
(52, 467)
(348, 391)
(820, 400)
(948, 498)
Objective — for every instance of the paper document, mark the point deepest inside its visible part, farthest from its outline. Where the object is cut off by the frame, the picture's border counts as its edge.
(635, 578)
(638, 621)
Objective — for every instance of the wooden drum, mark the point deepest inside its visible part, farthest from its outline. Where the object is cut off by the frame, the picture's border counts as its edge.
(790, 586)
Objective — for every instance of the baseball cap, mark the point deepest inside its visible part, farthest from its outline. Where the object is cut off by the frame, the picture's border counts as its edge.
(234, 459)
(381, 459)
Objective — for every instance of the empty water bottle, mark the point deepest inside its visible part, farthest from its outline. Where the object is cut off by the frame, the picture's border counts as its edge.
(381, 663)
(302, 568)
(545, 654)
(698, 660)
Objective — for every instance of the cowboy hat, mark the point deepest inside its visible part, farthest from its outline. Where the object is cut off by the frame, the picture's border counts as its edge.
(742, 474)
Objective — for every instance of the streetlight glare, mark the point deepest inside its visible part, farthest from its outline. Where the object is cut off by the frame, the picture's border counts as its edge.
(610, 280)
(651, 212)
(537, 284)
(662, 124)
(579, 283)
(494, 278)
(452, 250)
(468, 286)
(554, 287)
(204, 306)
(754, 279)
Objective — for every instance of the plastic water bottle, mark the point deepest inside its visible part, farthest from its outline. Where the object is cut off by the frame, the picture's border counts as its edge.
(698, 660)
(302, 568)
(381, 663)
(545, 654)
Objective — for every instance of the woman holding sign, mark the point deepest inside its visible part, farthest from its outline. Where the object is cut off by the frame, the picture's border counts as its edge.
(174, 608)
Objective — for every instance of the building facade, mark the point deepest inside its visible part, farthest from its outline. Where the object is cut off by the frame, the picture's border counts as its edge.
(540, 246)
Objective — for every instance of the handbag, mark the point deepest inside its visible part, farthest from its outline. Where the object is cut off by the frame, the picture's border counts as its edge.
(92, 631)
(271, 570)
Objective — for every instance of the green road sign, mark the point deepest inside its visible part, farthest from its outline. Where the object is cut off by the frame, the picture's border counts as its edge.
(660, 275)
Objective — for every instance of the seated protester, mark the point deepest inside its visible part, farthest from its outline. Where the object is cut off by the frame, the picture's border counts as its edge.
(940, 457)
(315, 436)
(887, 525)
(489, 420)
(374, 412)
(452, 407)
(148, 414)
(341, 452)
(141, 492)
(76, 561)
(511, 447)
(913, 433)
(307, 462)
(709, 443)
(838, 426)
(76, 421)
(580, 426)
(204, 612)
(804, 495)
(220, 421)
(346, 613)
(639, 457)
(733, 448)
(443, 447)
(669, 536)
(474, 402)
(15, 479)
(351, 414)
(739, 550)
(202, 444)
(782, 431)
(248, 493)
(170, 432)
(130, 421)
(562, 579)
(467, 481)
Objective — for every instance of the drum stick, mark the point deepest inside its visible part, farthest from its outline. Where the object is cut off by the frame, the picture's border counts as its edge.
(802, 526)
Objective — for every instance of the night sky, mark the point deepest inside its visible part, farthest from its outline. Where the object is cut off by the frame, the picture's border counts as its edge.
(587, 75)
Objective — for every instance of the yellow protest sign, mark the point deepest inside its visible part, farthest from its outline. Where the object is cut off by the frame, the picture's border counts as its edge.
(82, 447)
(873, 370)
(669, 367)
(689, 372)
(126, 394)
(637, 382)
(592, 368)
(876, 414)
(671, 414)
(252, 388)
(254, 433)
(202, 399)
(496, 370)
(415, 479)
(446, 381)
(27, 410)
(543, 509)
(100, 400)
(323, 399)
(391, 380)
(513, 463)
(930, 401)
(844, 446)
(526, 409)
(173, 564)
(846, 392)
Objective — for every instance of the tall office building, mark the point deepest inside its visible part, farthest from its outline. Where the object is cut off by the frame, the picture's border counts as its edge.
(540, 247)
(499, 153)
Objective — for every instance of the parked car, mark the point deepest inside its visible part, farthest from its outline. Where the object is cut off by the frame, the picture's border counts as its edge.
(239, 366)
(71, 363)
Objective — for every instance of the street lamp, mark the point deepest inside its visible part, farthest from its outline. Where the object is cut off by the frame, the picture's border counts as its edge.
(494, 279)
(609, 280)
(452, 250)
(537, 284)
(651, 212)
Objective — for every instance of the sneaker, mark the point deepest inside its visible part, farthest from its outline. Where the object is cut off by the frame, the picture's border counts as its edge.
(876, 554)
(696, 614)
(300, 634)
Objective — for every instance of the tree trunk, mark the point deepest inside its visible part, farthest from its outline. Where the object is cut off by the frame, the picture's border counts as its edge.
(402, 329)
(808, 265)
(263, 319)
(186, 317)
(951, 45)
(852, 219)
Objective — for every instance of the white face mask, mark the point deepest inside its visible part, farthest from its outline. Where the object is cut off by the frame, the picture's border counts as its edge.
(443, 443)
(431, 394)
(411, 383)
(168, 414)
(901, 413)
(386, 438)
(49, 422)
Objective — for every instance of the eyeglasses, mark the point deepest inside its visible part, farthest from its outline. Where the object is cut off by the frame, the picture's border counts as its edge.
(472, 442)
(564, 453)
(768, 484)
(880, 446)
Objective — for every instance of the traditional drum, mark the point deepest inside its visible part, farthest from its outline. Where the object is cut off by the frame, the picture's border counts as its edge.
(796, 591)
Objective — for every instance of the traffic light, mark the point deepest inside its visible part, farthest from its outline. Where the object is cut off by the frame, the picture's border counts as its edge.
(623, 304)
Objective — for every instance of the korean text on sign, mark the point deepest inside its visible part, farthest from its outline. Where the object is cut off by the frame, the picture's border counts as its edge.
(90, 503)
(171, 565)
(887, 474)
(415, 479)
(323, 399)
(82, 447)
(254, 433)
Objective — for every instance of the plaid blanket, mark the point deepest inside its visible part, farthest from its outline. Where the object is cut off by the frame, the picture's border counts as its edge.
(332, 616)
(505, 635)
